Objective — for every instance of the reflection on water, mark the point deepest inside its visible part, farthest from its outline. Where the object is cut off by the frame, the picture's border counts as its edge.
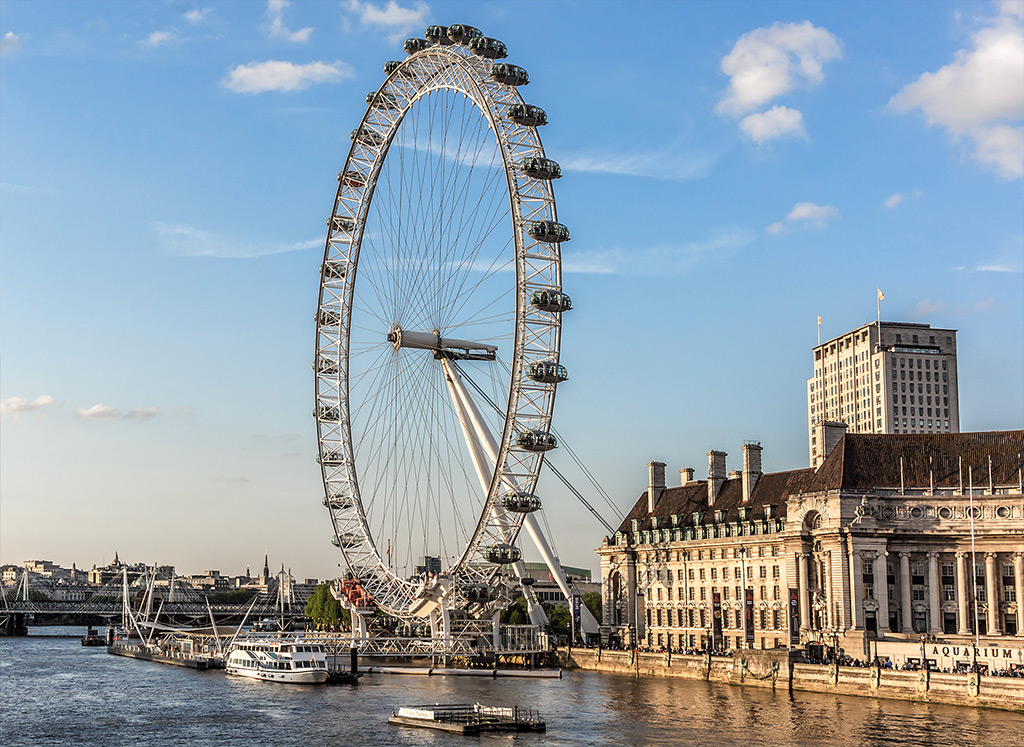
(54, 691)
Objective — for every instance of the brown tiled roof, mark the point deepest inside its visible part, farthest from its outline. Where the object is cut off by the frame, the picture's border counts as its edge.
(863, 461)
(772, 488)
(860, 461)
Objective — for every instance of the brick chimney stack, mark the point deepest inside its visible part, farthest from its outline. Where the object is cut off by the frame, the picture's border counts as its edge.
(655, 484)
(751, 468)
(716, 474)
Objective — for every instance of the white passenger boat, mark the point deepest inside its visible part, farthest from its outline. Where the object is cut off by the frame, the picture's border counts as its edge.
(290, 660)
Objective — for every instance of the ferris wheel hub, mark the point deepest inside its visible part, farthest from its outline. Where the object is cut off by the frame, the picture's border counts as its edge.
(442, 347)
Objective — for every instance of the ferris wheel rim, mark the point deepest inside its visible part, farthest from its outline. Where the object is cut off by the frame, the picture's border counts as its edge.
(367, 558)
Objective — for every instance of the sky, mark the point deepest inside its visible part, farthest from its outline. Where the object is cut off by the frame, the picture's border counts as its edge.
(732, 170)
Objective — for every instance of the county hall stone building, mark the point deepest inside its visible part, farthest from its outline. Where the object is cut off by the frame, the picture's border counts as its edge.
(873, 550)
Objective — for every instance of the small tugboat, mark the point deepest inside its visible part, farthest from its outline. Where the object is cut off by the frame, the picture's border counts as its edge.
(469, 719)
(92, 638)
(289, 660)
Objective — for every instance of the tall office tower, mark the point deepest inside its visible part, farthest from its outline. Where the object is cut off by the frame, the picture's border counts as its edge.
(887, 377)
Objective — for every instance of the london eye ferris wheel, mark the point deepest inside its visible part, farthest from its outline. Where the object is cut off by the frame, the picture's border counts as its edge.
(438, 328)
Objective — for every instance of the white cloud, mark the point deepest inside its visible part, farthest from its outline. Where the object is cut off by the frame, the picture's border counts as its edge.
(774, 123)
(160, 39)
(926, 307)
(805, 215)
(275, 14)
(274, 75)
(1012, 8)
(660, 260)
(896, 198)
(979, 97)
(769, 62)
(187, 241)
(17, 405)
(10, 43)
(105, 412)
(667, 163)
(392, 17)
(814, 213)
(197, 15)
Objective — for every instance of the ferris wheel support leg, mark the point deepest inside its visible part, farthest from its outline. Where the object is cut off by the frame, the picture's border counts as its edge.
(484, 450)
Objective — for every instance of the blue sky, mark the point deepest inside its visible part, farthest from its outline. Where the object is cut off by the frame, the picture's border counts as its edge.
(732, 170)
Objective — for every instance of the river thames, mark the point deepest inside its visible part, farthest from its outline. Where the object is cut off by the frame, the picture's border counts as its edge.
(53, 691)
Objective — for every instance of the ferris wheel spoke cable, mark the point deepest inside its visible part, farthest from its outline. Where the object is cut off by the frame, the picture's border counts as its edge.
(547, 463)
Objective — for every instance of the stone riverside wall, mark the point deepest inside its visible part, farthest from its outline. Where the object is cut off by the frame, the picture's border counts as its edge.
(780, 669)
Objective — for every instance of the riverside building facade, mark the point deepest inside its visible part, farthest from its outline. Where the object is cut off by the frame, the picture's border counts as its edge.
(884, 377)
(873, 551)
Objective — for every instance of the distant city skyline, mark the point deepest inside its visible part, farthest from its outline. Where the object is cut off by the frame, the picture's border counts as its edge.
(732, 171)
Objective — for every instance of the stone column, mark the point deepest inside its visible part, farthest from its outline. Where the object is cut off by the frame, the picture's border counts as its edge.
(906, 620)
(829, 620)
(935, 624)
(962, 584)
(992, 593)
(856, 589)
(1018, 579)
(803, 561)
(882, 591)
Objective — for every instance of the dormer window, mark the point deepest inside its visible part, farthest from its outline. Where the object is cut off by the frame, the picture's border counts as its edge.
(744, 512)
(719, 517)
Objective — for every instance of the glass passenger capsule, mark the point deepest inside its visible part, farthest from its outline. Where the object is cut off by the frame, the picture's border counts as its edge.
(338, 501)
(392, 65)
(414, 45)
(366, 137)
(327, 411)
(437, 35)
(340, 223)
(536, 440)
(328, 318)
(527, 115)
(382, 100)
(333, 269)
(547, 372)
(550, 300)
(540, 168)
(548, 231)
(351, 178)
(527, 580)
(484, 46)
(480, 592)
(502, 554)
(510, 75)
(346, 540)
(460, 33)
(331, 457)
(325, 365)
(520, 503)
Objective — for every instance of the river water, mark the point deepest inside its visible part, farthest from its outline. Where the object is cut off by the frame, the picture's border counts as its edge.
(54, 691)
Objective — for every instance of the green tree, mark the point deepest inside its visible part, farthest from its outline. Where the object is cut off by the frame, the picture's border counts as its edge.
(516, 614)
(324, 610)
(593, 600)
(559, 620)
